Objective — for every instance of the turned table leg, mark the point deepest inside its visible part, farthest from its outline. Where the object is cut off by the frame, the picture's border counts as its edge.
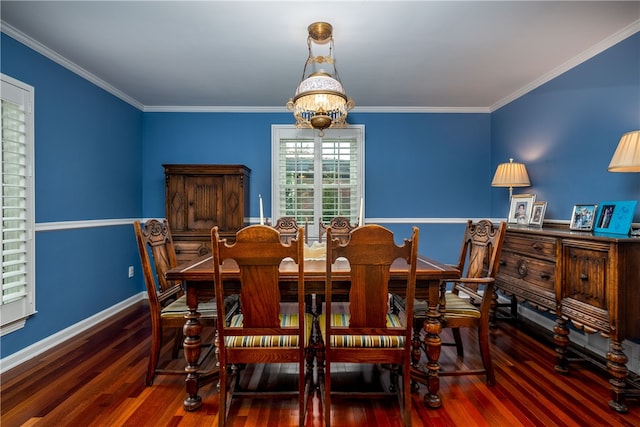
(433, 342)
(192, 348)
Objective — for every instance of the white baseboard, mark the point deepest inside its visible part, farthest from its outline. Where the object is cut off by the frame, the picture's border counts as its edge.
(592, 342)
(51, 341)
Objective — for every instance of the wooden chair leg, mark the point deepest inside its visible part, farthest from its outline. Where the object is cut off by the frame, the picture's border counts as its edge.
(223, 387)
(327, 395)
(304, 388)
(178, 337)
(483, 339)
(458, 340)
(406, 394)
(156, 343)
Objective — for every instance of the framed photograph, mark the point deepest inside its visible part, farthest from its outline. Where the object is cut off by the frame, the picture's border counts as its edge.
(583, 217)
(521, 208)
(615, 217)
(537, 214)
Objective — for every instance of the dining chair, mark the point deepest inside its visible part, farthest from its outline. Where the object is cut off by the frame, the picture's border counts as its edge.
(472, 298)
(262, 332)
(287, 226)
(366, 331)
(340, 225)
(167, 303)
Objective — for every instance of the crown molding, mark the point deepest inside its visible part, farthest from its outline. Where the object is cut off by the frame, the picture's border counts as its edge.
(381, 109)
(59, 59)
(573, 62)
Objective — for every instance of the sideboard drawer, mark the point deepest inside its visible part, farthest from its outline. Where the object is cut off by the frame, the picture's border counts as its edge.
(537, 246)
(528, 278)
(538, 273)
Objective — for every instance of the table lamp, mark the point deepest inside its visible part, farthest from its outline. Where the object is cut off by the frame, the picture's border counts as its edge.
(627, 157)
(511, 175)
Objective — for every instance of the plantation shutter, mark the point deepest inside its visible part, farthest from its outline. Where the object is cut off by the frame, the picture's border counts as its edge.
(17, 203)
(318, 177)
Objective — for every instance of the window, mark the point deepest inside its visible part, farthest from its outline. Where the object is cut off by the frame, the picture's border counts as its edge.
(18, 271)
(317, 177)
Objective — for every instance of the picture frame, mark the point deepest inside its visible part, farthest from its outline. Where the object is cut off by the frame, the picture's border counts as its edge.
(537, 213)
(615, 217)
(583, 217)
(520, 208)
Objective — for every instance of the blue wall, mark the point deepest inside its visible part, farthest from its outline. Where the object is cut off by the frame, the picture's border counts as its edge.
(408, 164)
(87, 158)
(90, 165)
(566, 131)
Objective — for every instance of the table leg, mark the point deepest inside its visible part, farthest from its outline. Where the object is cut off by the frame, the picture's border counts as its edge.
(433, 343)
(192, 348)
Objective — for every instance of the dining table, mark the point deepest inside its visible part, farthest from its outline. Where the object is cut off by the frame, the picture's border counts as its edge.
(431, 275)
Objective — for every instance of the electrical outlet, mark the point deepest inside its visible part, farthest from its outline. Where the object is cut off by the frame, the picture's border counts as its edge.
(131, 271)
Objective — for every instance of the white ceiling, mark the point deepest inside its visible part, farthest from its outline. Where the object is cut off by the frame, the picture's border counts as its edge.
(249, 55)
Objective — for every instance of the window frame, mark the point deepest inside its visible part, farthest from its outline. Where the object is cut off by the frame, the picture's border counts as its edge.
(13, 314)
(356, 132)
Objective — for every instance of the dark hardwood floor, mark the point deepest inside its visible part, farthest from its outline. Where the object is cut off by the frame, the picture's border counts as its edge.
(98, 380)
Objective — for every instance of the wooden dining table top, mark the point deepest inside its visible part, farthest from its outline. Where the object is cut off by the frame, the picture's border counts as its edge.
(201, 270)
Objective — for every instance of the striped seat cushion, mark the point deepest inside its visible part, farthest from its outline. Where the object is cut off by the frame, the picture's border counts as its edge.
(178, 308)
(459, 306)
(361, 341)
(286, 320)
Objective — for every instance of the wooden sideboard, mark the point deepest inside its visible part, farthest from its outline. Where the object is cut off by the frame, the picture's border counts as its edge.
(590, 279)
(199, 197)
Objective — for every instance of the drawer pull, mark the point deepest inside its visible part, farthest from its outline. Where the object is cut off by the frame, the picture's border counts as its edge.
(584, 277)
(536, 246)
(545, 276)
(522, 269)
(503, 262)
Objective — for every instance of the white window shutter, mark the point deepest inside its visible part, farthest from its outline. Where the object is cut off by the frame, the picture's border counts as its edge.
(18, 281)
(317, 178)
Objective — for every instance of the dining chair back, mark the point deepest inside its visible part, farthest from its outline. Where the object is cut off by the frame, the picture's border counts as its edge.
(167, 303)
(287, 226)
(262, 332)
(340, 226)
(366, 332)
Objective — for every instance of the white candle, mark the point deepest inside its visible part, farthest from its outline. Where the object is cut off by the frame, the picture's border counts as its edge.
(261, 210)
(360, 218)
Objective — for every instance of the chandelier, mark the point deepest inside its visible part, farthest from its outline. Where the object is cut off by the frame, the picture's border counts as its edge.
(320, 101)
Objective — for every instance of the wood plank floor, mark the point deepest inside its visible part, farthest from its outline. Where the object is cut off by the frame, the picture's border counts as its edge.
(98, 380)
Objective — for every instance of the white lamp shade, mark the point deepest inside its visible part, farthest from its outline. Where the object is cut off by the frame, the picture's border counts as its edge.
(511, 175)
(627, 156)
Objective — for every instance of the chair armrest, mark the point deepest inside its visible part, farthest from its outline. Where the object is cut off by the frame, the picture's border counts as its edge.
(460, 286)
(478, 280)
(171, 294)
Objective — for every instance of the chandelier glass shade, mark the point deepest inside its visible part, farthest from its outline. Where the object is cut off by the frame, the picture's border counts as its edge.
(320, 101)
